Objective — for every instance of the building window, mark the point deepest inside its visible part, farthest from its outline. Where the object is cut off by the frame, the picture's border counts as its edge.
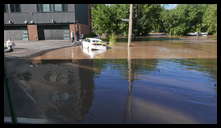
(46, 7)
(5, 8)
(58, 7)
(52, 7)
(15, 8)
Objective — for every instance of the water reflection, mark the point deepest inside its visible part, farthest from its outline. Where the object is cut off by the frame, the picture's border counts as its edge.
(130, 87)
(156, 89)
(72, 98)
(118, 90)
(93, 53)
(204, 65)
(61, 92)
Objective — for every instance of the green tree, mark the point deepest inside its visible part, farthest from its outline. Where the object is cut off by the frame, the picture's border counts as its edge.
(101, 15)
(148, 19)
(154, 18)
(108, 19)
(210, 19)
(121, 12)
(183, 19)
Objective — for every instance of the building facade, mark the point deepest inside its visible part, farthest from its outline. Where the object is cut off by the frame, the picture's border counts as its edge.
(46, 21)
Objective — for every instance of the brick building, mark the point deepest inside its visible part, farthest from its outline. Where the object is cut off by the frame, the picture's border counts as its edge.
(45, 21)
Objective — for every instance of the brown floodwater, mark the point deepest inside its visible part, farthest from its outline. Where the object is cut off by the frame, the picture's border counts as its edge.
(140, 50)
(159, 82)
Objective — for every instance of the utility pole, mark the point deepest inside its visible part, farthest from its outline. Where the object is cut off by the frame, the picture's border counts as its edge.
(130, 25)
(129, 102)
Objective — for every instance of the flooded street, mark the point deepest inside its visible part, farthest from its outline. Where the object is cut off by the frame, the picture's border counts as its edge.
(140, 50)
(155, 82)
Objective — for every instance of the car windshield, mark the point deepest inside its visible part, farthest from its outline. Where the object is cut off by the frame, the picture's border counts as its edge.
(95, 41)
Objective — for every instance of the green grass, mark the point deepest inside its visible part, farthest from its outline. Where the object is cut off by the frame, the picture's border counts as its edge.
(148, 39)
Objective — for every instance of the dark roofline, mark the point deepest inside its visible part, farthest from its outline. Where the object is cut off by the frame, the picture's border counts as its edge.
(40, 24)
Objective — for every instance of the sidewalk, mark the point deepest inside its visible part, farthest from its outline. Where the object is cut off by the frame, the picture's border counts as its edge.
(28, 48)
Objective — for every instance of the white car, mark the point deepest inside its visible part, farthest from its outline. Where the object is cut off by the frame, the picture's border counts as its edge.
(94, 44)
(9, 46)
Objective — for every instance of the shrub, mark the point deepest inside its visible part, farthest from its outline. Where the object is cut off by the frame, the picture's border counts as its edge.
(113, 38)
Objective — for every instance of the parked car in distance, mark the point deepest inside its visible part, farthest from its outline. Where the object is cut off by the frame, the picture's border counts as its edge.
(197, 34)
